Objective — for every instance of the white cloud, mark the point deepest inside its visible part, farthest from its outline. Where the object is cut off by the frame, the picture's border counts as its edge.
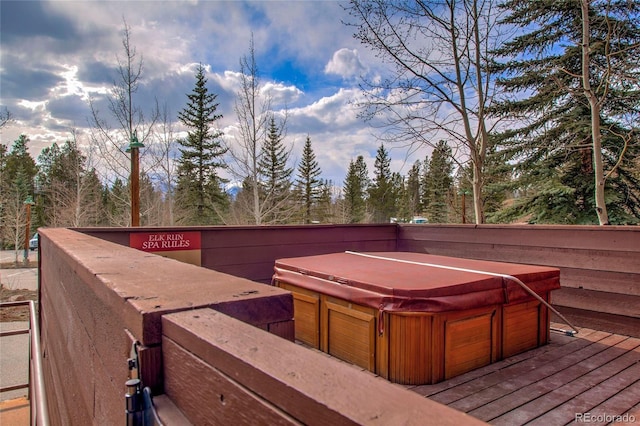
(55, 71)
(345, 63)
(281, 94)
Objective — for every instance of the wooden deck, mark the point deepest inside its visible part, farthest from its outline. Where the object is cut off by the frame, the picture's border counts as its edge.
(590, 378)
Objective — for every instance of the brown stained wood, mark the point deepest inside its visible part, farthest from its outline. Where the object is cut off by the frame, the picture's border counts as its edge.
(258, 266)
(238, 236)
(549, 256)
(604, 302)
(410, 348)
(554, 368)
(520, 369)
(606, 243)
(557, 341)
(382, 347)
(625, 402)
(210, 397)
(468, 344)
(305, 384)
(306, 309)
(521, 327)
(585, 398)
(350, 334)
(284, 329)
(136, 288)
(600, 321)
(595, 372)
(272, 236)
(595, 258)
(593, 262)
(617, 238)
(578, 381)
(600, 280)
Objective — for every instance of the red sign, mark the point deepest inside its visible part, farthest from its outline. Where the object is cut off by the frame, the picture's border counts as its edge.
(165, 241)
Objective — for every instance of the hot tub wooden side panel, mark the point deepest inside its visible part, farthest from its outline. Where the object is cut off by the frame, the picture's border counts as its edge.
(410, 354)
(417, 348)
(348, 332)
(306, 309)
(470, 340)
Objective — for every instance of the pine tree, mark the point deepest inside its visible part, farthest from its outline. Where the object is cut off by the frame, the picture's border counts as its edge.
(15, 213)
(425, 194)
(552, 150)
(356, 185)
(276, 177)
(381, 194)
(308, 182)
(19, 157)
(413, 190)
(18, 171)
(400, 198)
(439, 184)
(325, 205)
(69, 193)
(200, 194)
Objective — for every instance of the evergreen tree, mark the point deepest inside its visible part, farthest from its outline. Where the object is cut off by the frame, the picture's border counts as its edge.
(324, 204)
(276, 177)
(69, 193)
(425, 194)
(381, 194)
(413, 190)
(15, 214)
(552, 150)
(200, 194)
(400, 196)
(497, 188)
(18, 171)
(19, 158)
(462, 191)
(356, 185)
(310, 186)
(439, 184)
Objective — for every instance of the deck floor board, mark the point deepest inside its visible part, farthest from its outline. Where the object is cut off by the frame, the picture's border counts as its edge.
(594, 372)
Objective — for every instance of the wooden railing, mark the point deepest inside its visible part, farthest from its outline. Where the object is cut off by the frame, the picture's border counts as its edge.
(599, 265)
(98, 297)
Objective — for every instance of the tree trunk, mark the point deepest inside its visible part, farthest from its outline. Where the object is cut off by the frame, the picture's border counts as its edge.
(596, 136)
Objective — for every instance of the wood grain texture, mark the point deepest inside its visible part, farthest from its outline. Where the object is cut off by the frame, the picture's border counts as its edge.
(595, 372)
(305, 385)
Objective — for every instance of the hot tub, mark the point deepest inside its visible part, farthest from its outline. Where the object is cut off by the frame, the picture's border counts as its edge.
(415, 318)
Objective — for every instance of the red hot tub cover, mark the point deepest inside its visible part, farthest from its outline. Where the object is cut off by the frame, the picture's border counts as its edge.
(415, 282)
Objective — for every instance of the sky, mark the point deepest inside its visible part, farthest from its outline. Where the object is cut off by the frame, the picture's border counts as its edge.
(57, 55)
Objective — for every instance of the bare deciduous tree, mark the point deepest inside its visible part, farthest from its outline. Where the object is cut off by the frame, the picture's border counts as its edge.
(165, 152)
(620, 68)
(111, 141)
(74, 189)
(441, 83)
(253, 109)
(5, 117)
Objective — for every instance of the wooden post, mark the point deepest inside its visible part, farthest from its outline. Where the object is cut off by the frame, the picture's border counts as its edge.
(135, 187)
